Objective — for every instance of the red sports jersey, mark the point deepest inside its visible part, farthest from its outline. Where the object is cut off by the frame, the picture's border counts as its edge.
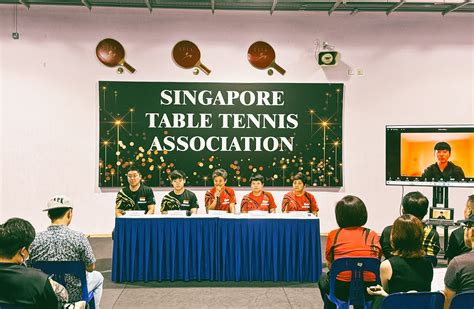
(227, 197)
(305, 202)
(263, 202)
(352, 242)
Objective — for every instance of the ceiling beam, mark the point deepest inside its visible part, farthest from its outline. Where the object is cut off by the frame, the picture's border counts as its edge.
(396, 6)
(87, 4)
(25, 3)
(273, 6)
(213, 6)
(148, 5)
(334, 7)
(456, 6)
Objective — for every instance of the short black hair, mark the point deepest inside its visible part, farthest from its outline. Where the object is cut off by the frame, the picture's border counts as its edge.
(300, 176)
(177, 174)
(442, 146)
(134, 168)
(257, 177)
(15, 234)
(351, 212)
(57, 213)
(220, 172)
(415, 203)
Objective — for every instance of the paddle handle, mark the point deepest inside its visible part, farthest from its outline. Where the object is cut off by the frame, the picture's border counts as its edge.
(203, 68)
(128, 66)
(280, 70)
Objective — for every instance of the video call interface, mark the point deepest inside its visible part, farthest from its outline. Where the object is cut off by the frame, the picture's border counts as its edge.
(411, 158)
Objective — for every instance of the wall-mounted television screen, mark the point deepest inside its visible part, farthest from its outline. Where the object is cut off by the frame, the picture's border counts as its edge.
(430, 155)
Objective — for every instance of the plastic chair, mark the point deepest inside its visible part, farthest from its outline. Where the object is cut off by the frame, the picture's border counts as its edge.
(463, 301)
(414, 300)
(357, 288)
(59, 269)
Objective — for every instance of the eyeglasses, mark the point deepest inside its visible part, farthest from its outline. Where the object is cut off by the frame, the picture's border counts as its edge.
(133, 176)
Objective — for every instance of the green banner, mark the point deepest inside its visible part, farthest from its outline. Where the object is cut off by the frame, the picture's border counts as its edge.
(271, 129)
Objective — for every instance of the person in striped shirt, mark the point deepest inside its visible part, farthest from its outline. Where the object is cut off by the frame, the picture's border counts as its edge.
(257, 199)
(299, 199)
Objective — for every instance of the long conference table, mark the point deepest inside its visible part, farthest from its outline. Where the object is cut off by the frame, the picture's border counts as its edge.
(276, 247)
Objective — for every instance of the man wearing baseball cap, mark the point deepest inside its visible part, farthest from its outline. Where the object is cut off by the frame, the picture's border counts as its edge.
(59, 243)
(443, 169)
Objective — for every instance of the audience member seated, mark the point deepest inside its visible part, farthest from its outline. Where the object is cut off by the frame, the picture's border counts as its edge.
(416, 204)
(59, 243)
(407, 269)
(350, 240)
(19, 285)
(299, 199)
(456, 244)
(460, 273)
(258, 199)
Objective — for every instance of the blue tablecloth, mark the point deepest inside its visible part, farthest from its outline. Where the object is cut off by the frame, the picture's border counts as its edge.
(211, 248)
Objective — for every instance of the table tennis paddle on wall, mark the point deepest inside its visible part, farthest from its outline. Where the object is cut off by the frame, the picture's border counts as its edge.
(111, 53)
(187, 55)
(262, 56)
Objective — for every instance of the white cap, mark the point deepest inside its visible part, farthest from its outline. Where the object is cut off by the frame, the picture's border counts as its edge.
(59, 201)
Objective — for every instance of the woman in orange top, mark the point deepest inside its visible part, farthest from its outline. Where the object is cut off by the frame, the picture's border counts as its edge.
(220, 197)
(350, 240)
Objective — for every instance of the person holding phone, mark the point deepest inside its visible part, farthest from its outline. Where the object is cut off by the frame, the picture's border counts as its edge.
(407, 270)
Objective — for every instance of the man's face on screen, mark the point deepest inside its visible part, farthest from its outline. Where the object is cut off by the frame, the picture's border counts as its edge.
(178, 184)
(443, 156)
(256, 186)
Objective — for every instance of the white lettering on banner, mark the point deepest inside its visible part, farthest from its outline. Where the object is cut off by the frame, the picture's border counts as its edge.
(207, 97)
(179, 121)
(223, 143)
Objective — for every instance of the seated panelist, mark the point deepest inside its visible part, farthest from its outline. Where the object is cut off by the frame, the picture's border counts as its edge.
(220, 197)
(299, 199)
(135, 196)
(257, 199)
(180, 198)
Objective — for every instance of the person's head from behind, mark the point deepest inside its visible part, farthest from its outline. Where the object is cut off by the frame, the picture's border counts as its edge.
(415, 203)
(219, 176)
(469, 232)
(407, 237)
(351, 212)
(299, 183)
(59, 209)
(177, 179)
(468, 211)
(16, 236)
(134, 176)
(442, 152)
(256, 183)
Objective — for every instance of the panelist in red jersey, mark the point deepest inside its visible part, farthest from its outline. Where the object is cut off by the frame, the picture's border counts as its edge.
(257, 199)
(299, 199)
(220, 197)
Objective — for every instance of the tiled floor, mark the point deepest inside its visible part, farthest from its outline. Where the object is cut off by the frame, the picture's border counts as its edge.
(200, 294)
